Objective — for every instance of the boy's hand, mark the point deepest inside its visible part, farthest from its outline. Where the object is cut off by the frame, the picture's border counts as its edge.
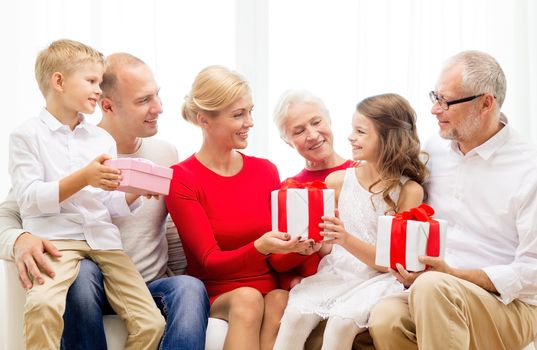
(101, 176)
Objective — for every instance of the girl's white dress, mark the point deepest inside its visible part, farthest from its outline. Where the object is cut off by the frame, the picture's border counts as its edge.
(343, 285)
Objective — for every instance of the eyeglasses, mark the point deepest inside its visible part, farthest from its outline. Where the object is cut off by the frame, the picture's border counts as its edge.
(444, 104)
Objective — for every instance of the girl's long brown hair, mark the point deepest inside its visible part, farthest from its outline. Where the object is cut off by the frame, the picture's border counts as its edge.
(399, 146)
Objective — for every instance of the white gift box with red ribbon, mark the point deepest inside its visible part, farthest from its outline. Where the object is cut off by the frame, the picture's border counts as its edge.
(297, 208)
(406, 236)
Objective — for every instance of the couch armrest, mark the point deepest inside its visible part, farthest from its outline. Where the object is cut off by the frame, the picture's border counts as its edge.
(12, 298)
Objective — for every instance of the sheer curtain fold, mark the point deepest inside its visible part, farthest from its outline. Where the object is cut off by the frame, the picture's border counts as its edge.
(343, 50)
(400, 46)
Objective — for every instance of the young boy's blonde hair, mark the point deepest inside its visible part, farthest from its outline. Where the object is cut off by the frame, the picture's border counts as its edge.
(64, 56)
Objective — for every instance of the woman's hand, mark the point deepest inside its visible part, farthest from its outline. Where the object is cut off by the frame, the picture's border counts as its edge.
(313, 247)
(281, 243)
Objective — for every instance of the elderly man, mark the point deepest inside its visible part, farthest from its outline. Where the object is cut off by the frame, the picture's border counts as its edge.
(484, 182)
(131, 106)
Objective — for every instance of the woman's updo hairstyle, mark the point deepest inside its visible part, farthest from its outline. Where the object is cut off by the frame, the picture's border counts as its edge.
(214, 88)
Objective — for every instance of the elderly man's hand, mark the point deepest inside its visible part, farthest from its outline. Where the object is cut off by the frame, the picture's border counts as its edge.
(406, 278)
(433, 264)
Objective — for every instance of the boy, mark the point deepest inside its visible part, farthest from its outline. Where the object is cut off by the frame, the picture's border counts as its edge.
(48, 157)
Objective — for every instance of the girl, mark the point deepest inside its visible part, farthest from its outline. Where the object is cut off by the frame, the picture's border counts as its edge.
(388, 180)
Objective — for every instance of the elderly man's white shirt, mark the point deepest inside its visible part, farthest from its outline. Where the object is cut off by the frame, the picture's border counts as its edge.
(489, 197)
(43, 151)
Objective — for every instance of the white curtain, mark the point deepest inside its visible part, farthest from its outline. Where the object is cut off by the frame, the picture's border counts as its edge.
(343, 50)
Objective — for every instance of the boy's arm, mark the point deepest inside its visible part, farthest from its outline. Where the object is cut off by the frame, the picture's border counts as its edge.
(33, 195)
(94, 174)
(22, 247)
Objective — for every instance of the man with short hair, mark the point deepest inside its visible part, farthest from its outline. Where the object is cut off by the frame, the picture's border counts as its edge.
(484, 182)
(131, 105)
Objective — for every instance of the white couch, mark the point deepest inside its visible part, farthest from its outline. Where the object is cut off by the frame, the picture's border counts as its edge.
(12, 298)
(12, 302)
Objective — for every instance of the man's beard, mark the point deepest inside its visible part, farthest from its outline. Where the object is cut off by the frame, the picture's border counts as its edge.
(465, 130)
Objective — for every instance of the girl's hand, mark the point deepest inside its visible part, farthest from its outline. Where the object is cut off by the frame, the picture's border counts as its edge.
(282, 243)
(326, 248)
(334, 230)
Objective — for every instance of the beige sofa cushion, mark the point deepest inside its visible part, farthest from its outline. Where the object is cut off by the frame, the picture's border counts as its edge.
(176, 255)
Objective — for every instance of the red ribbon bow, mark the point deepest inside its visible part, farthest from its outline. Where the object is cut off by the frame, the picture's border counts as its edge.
(315, 205)
(292, 183)
(422, 213)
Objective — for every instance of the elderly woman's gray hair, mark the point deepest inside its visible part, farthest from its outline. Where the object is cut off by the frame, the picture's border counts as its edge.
(295, 97)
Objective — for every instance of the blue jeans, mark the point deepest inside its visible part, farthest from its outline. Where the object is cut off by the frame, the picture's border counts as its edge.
(181, 299)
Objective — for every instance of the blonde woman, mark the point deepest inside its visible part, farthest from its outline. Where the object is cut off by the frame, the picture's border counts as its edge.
(220, 202)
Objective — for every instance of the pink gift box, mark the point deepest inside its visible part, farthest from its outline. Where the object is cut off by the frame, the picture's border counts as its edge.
(141, 176)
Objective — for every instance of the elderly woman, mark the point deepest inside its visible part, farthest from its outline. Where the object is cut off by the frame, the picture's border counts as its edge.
(304, 124)
(220, 202)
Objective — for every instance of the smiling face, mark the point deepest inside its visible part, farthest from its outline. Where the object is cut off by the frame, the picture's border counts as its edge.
(364, 139)
(137, 101)
(461, 121)
(308, 130)
(81, 89)
(229, 128)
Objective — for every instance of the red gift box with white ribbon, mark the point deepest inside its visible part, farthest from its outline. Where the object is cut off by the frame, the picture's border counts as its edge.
(406, 236)
(297, 208)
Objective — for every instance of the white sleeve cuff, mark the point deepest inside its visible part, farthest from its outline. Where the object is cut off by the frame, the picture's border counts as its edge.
(7, 243)
(506, 281)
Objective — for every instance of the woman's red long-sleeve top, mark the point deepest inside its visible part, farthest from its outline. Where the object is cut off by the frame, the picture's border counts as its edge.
(219, 218)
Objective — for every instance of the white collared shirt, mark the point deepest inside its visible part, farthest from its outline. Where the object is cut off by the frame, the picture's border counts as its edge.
(489, 197)
(43, 151)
